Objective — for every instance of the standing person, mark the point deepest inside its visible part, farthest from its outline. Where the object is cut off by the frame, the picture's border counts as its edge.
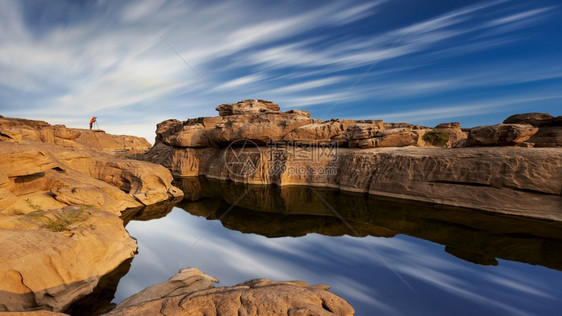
(92, 121)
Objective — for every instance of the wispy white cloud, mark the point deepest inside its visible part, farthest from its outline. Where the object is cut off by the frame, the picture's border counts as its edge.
(459, 110)
(242, 81)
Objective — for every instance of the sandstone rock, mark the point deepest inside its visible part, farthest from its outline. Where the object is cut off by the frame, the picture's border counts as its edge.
(165, 129)
(189, 136)
(454, 131)
(512, 180)
(35, 270)
(396, 137)
(25, 131)
(403, 125)
(500, 134)
(535, 119)
(316, 131)
(299, 112)
(550, 128)
(247, 107)
(256, 297)
(40, 234)
(184, 282)
(547, 136)
(364, 130)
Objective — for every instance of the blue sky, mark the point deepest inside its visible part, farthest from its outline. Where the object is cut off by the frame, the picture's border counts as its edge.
(423, 62)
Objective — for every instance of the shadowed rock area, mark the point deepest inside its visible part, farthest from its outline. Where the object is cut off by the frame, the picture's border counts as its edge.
(274, 211)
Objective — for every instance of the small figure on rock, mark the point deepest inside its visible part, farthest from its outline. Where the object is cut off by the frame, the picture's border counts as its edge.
(92, 121)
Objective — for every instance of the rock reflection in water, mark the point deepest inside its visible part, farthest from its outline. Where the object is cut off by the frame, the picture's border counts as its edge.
(471, 235)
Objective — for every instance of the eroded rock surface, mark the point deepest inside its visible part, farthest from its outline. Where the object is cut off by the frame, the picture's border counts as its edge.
(21, 130)
(191, 293)
(550, 128)
(376, 157)
(500, 134)
(60, 203)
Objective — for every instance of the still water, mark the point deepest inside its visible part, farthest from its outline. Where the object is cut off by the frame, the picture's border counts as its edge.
(384, 256)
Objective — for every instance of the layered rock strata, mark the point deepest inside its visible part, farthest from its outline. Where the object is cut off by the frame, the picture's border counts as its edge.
(60, 206)
(290, 148)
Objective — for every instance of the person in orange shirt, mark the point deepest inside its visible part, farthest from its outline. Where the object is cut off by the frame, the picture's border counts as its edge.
(92, 121)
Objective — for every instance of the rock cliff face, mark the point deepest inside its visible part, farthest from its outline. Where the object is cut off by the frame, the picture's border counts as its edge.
(288, 148)
(61, 195)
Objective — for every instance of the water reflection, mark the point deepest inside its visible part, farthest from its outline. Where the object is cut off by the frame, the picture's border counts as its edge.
(398, 268)
(471, 235)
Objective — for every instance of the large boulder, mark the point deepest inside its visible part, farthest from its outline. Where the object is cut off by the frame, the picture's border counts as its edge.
(364, 129)
(247, 107)
(550, 128)
(316, 131)
(191, 293)
(535, 119)
(547, 136)
(500, 134)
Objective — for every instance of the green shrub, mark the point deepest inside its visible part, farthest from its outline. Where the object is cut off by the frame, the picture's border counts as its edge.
(436, 138)
(66, 218)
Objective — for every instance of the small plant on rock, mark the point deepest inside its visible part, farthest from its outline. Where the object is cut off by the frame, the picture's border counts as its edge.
(64, 221)
(436, 138)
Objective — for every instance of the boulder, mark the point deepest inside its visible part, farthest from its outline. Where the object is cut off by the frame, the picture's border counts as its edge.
(184, 282)
(535, 119)
(247, 107)
(550, 128)
(192, 293)
(364, 130)
(500, 134)
(189, 136)
(316, 131)
(547, 136)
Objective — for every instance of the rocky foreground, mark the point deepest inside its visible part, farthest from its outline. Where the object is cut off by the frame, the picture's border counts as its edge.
(62, 192)
(514, 167)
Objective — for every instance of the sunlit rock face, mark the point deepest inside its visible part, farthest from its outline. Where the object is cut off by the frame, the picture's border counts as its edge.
(267, 146)
(191, 292)
(61, 194)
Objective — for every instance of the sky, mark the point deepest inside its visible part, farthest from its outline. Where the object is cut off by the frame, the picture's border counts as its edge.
(134, 64)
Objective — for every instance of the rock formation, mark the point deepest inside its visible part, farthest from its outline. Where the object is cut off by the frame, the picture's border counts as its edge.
(366, 156)
(549, 132)
(190, 292)
(18, 130)
(61, 195)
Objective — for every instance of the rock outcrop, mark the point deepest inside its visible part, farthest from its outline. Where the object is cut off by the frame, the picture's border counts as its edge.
(190, 292)
(20, 130)
(247, 107)
(549, 132)
(60, 202)
(375, 157)
(500, 134)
